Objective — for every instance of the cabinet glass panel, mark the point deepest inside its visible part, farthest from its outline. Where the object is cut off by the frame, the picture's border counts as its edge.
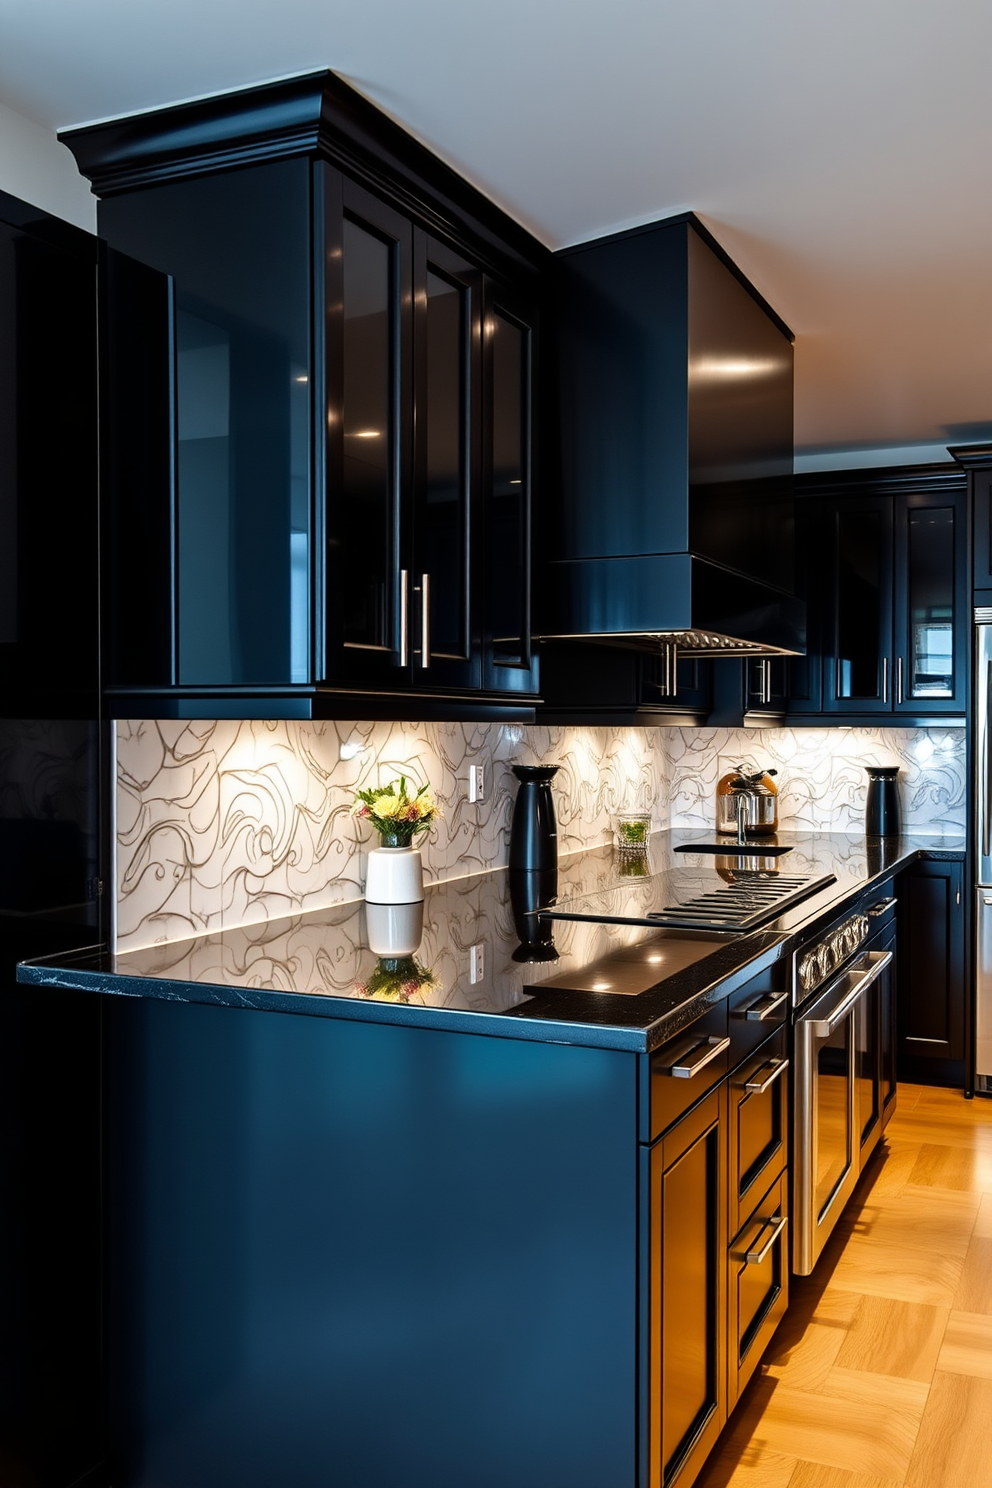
(930, 589)
(834, 1137)
(445, 534)
(508, 558)
(867, 1083)
(369, 502)
(859, 603)
(8, 435)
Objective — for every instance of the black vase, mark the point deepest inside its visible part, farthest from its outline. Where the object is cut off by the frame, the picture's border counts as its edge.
(533, 830)
(882, 818)
(529, 893)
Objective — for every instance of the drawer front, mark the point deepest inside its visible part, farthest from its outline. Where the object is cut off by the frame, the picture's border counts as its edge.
(757, 1009)
(759, 1125)
(687, 1067)
(758, 1290)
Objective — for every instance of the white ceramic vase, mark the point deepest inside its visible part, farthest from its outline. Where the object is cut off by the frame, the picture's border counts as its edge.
(395, 875)
(394, 929)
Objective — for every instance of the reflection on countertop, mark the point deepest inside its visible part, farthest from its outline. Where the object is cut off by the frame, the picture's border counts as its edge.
(532, 978)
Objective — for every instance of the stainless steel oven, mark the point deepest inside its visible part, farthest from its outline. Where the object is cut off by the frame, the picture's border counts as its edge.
(838, 1073)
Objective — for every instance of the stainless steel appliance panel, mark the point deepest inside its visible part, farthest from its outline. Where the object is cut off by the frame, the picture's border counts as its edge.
(983, 755)
(828, 1115)
(983, 987)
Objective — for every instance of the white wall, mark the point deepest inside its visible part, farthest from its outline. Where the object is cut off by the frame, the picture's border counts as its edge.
(36, 168)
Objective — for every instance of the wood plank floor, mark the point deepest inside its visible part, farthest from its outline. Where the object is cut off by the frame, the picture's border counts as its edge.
(881, 1374)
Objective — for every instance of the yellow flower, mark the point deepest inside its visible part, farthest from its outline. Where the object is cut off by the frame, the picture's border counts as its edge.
(388, 806)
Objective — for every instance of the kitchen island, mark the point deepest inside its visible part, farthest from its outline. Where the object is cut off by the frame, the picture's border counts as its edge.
(408, 1232)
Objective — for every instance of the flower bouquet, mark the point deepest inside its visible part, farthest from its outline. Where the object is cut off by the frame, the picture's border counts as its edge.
(397, 815)
(397, 979)
(395, 873)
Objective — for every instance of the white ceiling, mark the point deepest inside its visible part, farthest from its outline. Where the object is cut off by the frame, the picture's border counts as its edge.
(839, 149)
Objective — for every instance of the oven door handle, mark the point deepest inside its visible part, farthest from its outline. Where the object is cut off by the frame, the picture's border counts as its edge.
(825, 1027)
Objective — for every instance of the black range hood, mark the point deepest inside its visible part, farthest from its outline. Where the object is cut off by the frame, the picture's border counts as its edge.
(675, 522)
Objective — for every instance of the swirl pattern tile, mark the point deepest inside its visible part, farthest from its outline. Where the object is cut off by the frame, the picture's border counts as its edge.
(226, 823)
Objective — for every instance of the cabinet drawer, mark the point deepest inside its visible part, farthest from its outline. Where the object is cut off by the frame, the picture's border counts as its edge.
(686, 1067)
(759, 1125)
(757, 1009)
(758, 1290)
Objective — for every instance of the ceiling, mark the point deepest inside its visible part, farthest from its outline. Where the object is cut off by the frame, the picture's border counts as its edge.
(839, 149)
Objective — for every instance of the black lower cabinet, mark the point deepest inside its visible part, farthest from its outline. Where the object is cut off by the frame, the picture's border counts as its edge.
(931, 980)
(758, 1285)
(364, 1254)
(687, 1400)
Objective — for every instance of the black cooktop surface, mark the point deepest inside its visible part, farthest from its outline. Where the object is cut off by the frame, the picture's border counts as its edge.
(733, 898)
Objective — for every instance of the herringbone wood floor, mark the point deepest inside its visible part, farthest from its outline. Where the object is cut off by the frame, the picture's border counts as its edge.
(881, 1374)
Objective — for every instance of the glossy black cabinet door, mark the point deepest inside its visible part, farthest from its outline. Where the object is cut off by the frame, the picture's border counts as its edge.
(804, 687)
(446, 582)
(367, 330)
(981, 495)
(766, 682)
(931, 616)
(931, 980)
(51, 806)
(237, 246)
(687, 1270)
(509, 471)
(857, 664)
(49, 560)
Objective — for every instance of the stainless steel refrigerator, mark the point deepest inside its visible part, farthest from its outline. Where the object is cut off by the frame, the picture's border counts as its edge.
(983, 849)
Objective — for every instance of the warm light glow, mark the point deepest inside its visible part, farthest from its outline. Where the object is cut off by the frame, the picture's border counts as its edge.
(600, 986)
(716, 368)
(351, 748)
(367, 434)
(655, 960)
(302, 378)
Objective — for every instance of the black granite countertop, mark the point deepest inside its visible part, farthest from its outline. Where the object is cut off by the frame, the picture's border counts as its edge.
(611, 984)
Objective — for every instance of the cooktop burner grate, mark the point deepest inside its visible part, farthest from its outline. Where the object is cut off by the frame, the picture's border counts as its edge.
(747, 902)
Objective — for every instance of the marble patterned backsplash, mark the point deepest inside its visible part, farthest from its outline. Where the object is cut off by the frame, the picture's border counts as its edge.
(225, 823)
(821, 777)
(222, 824)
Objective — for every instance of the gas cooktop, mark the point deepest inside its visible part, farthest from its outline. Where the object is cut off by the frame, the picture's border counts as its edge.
(732, 899)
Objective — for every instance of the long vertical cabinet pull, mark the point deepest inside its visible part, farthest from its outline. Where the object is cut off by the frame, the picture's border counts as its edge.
(404, 617)
(425, 620)
(885, 679)
(986, 749)
(899, 697)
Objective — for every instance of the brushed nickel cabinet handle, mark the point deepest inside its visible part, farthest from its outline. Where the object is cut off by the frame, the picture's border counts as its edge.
(404, 617)
(778, 1223)
(763, 1008)
(899, 696)
(778, 1067)
(885, 679)
(713, 1048)
(425, 620)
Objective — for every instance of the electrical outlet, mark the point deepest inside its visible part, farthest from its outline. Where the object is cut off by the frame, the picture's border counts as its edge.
(477, 783)
(477, 962)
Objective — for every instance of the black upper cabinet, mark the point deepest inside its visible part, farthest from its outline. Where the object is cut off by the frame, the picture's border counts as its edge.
(352, 449)
(49, 561)
(892, 610)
